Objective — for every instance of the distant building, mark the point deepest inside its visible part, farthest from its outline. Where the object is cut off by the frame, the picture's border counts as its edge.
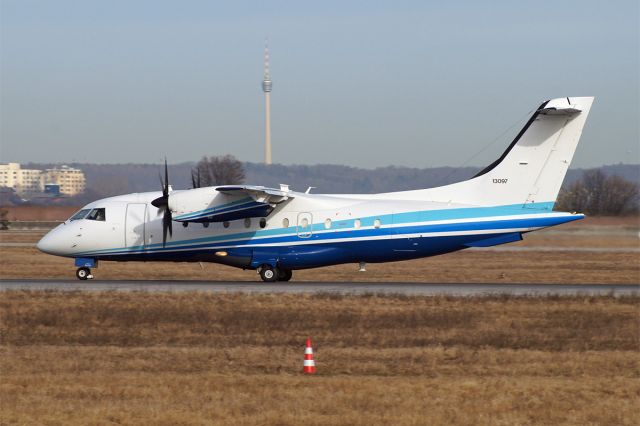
(25, 182)
(71, 181)
(29, 182)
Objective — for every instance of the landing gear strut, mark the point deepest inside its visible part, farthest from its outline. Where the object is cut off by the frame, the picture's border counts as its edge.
(84, 273)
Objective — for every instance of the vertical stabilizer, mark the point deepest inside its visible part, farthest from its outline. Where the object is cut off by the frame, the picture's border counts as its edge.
(531, 170)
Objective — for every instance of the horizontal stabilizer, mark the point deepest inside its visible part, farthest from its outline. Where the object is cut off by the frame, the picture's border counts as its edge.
(559, 111)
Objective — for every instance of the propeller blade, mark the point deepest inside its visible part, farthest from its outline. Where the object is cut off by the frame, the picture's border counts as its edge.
(159, 202)
(167, 225)
(164, 231)
(195, 178)
(165, 189)
(162, 204)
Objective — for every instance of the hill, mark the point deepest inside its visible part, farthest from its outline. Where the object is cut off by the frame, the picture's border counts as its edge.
(105, 180)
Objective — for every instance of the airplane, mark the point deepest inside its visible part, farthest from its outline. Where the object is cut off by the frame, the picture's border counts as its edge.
(277, 230)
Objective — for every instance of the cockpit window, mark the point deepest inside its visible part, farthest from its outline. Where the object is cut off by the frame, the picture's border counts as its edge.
(80, 215)
(97, 214)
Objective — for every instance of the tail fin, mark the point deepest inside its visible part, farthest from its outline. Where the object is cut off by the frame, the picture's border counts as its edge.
(531, 170)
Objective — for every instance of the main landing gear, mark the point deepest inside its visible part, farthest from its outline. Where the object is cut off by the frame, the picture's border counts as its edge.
(84, 274)
(270, 274)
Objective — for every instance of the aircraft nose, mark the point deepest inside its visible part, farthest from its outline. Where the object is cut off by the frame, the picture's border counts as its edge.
(51, 243)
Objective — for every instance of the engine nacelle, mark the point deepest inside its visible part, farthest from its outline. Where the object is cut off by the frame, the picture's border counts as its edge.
(210, 205)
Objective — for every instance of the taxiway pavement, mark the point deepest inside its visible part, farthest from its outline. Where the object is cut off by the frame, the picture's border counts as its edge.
(409, 289)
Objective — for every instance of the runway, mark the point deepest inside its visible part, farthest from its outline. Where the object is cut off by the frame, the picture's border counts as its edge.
(409, 289)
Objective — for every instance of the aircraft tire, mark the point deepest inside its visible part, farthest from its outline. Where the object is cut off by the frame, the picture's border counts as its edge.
(83, 273)
(269, 274)
(284, 274)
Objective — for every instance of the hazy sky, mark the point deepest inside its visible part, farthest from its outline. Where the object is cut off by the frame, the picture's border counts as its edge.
(362, 83)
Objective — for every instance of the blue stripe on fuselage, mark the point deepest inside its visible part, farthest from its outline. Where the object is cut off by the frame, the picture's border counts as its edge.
(283, 236)
(427, 216)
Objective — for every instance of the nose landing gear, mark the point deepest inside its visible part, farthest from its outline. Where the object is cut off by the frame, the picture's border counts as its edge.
(84, 274)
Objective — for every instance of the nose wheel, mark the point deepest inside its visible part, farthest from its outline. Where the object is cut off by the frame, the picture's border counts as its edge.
(84, 274)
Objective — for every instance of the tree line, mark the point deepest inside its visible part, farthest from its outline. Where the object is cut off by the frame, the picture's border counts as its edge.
(600, 195)
(594, 192)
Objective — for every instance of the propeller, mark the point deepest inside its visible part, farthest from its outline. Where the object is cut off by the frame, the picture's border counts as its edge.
(162, 203)
(195, 178)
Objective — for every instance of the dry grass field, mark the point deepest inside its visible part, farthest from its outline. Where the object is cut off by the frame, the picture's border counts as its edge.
(196, 359)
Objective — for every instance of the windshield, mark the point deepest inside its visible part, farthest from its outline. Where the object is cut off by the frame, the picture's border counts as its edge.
(97, 214)
(90, 214)
(80, 215)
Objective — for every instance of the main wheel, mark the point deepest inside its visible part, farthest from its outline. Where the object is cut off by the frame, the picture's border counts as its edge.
(268, 273)
(83, 273)
(284, 274)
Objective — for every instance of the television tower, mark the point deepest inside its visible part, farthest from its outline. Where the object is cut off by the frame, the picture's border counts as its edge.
(266, 88)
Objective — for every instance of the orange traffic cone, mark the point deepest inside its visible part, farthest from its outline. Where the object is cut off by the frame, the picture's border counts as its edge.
(309, 363)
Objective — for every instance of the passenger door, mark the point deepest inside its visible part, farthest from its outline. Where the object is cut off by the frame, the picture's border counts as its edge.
(135, 224)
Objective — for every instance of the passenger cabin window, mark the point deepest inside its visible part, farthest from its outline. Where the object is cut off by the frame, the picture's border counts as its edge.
(377, 223)
(327, 224)
(97, 214)
(80, 215)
